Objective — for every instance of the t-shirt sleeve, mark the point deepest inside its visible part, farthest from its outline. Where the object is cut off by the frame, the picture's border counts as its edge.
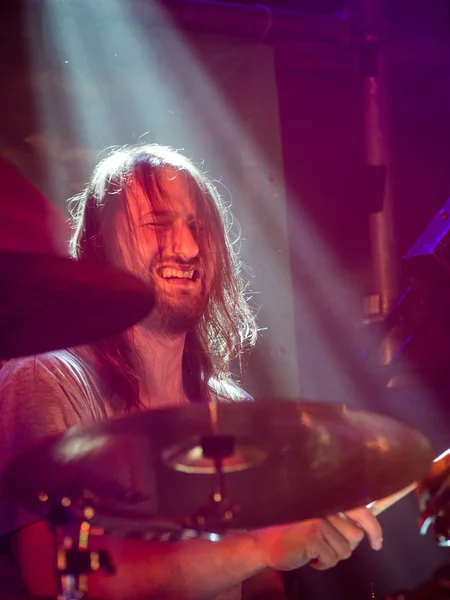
(35, 402)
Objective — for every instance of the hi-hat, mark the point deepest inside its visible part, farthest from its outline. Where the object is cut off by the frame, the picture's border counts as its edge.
(290, 461)
(47, 300)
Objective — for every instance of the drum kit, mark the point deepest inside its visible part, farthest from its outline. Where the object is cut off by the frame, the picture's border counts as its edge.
(201, 470)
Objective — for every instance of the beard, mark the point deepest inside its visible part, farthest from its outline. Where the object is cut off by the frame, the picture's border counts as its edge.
(177, 310)
(178, 315)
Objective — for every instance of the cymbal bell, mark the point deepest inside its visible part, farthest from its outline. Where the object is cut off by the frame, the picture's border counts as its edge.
(192, 456)
(312, 460)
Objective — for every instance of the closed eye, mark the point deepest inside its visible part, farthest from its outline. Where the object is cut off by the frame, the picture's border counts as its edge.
(157, 219)
(196, 228)
(157, 224)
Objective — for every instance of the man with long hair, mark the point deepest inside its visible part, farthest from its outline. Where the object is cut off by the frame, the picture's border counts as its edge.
(150, 211)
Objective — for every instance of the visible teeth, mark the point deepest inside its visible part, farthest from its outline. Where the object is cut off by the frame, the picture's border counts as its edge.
(166, 273)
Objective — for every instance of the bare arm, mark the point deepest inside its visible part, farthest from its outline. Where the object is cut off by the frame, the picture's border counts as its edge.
(199, 569)
(195, 569)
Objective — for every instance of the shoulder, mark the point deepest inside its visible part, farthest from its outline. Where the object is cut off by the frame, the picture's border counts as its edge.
(50, 368)
(34, 381)
(227, 391)
(56, 381)
(22, 371)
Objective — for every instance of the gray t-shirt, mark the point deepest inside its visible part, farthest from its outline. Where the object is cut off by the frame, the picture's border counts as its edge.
(42, 396)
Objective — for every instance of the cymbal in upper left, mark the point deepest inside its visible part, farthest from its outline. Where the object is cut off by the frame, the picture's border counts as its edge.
(48, 300)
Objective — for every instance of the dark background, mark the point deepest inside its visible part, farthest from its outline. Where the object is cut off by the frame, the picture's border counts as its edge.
(324, 154)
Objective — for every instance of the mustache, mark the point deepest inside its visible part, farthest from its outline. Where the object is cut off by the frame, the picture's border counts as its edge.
(175, 260)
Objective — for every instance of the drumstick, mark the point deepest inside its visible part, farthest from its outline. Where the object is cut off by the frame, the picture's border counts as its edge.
(383, 504)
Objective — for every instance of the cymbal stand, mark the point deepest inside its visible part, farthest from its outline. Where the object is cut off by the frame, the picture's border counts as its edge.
(71, 524)
(216, 516)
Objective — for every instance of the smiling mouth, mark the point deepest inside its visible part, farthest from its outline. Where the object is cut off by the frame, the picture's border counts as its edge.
(168, 273)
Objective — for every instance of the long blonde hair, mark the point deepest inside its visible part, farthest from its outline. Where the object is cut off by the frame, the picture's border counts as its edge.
(228, 325)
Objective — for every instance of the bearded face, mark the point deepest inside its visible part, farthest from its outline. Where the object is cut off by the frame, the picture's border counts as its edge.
(165, 251)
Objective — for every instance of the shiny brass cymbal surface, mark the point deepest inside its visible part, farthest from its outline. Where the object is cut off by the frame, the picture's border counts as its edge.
(289, 461)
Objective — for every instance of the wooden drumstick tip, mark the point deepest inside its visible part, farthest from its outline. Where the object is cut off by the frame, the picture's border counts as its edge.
(383, 504)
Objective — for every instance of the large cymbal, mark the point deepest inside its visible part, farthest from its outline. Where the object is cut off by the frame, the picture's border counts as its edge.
(292, 461)
(50, 302)
(47, 300)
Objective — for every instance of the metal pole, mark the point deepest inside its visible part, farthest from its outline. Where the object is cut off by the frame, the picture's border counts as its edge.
(379, 190)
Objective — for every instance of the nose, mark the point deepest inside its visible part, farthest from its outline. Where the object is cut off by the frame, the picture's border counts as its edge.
(183, 241)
